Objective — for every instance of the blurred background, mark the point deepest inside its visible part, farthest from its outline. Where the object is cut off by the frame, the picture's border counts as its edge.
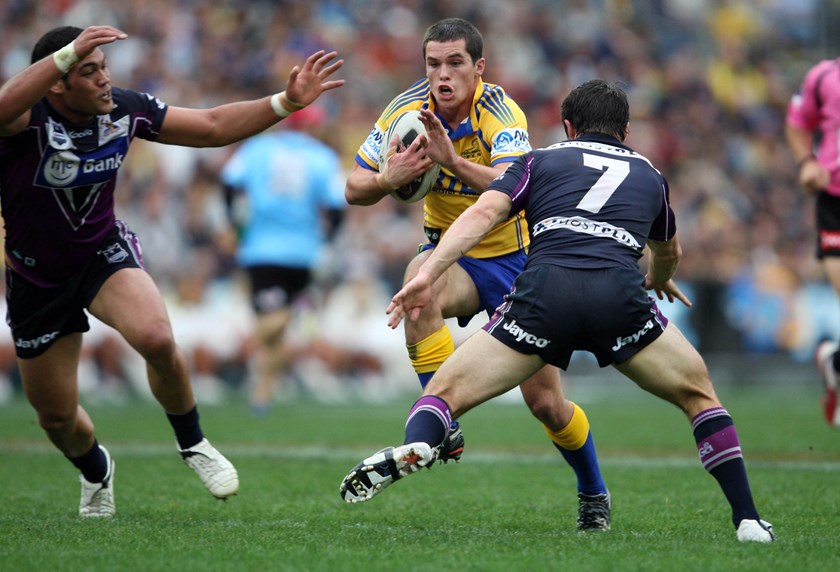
(709, 82)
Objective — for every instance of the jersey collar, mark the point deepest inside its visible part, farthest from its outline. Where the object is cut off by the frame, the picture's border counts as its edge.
(468, 126)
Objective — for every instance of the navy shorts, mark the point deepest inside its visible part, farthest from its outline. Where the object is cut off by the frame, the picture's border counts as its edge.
(275, 287)
(38, 316)
(492, 278)
(553, 311)
(828, 225)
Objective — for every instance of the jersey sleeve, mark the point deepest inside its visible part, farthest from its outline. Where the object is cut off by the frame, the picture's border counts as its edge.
(514, 182)
(503, 124)
(147, 111)
(413, 98)
(804, 109)
(234, 171)
(664, 225)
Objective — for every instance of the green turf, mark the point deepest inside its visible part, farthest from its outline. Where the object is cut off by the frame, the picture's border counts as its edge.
(510, 505)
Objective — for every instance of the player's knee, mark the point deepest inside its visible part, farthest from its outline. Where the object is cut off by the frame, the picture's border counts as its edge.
(57, 420)
(156, 342)
(546, 411)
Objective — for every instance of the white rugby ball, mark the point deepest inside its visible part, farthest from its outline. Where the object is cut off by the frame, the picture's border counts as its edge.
(408, 126)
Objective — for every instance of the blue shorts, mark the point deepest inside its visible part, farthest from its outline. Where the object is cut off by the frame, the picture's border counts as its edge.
(492, 277)
(553, 311)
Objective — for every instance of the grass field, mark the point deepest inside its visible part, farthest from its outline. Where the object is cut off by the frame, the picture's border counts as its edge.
(510, 505)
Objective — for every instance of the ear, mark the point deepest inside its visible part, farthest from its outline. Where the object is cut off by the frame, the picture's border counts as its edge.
(571, 132)
(626, 131)
(58, 87)
(479, 66)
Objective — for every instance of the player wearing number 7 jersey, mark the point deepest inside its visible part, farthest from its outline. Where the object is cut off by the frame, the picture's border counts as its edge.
(591, 204)
(475, 130)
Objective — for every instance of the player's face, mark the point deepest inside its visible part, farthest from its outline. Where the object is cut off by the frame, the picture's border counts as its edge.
(453, 77)
(87, 91)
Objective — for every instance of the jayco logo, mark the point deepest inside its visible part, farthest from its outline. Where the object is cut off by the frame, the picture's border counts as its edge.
(34, 343)
(521, 335)
(621, 342)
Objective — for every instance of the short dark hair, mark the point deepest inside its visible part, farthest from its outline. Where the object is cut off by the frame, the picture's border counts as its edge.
(598, 106)
(453, 29)
(53, 41)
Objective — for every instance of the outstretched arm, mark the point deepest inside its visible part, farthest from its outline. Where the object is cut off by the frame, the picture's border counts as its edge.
(491, 208)
(24, 90)
(233, 122)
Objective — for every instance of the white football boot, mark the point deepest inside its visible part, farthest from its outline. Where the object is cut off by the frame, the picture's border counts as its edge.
(215, 471)
(374, 474)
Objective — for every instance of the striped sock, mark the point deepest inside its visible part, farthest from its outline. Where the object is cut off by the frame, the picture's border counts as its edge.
(720, 453)
(428, 421)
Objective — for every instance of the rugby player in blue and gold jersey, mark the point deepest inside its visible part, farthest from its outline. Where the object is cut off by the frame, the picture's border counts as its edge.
(475, 130)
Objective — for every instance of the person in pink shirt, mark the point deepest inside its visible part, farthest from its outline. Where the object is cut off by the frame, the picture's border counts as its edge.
(812, 129)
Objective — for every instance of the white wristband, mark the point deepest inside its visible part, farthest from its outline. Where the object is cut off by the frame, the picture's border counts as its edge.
(65, 57)
(278, 107)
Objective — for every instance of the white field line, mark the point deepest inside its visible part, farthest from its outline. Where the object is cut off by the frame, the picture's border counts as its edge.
(304, 453)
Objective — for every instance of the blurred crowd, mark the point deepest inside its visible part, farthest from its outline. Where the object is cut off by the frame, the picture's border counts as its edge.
(709, 82)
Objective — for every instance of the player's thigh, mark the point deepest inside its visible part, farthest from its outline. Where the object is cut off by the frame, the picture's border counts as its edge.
(454, 292)
(545, 382)
(130, 302)
(672, 369)
(50, 379)
(480, 369)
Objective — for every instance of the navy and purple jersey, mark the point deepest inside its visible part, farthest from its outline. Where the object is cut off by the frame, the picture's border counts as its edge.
(594, 205)
(57, 182)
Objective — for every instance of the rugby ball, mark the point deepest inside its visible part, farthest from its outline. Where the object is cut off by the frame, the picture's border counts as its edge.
(407, 126)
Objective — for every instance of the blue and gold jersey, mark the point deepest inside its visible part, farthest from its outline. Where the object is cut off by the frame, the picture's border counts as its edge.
(495, 132)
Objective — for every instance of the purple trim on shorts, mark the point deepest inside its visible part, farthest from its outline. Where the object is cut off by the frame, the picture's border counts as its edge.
(499, 314)
(660, 318)
(434, 405)
(132, 241)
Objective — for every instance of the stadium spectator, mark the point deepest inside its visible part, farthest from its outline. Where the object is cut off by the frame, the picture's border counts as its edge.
(285, 191)
(64, 131)
(474, 132)
(814, 114)
(592, 204)
(733, 168)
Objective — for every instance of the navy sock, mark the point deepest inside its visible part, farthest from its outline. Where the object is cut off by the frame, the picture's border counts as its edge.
(187, 429)
(584, 463)
(428, 421)
(93, 464)
(720, 453)
(425, 378)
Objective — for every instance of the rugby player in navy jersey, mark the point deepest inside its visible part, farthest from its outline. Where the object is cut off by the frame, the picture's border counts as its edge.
(64, 133)
(475, 130)
(592, 205)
